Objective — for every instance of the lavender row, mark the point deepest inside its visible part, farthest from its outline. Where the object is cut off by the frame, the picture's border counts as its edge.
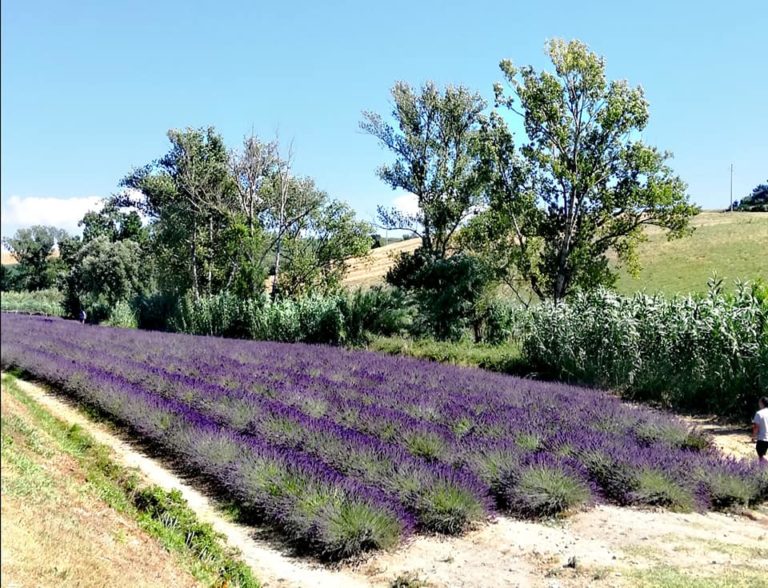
(522, 438)
(319, 509)
(420, 486)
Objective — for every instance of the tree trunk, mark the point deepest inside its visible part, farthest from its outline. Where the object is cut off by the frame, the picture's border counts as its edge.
(277, 268)
(195, 283)
(210, 256)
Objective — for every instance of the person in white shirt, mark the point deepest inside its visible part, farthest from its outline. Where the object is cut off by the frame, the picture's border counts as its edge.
(760, 429)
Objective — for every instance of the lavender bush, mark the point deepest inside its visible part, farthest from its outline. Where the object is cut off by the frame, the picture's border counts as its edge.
(347, 451)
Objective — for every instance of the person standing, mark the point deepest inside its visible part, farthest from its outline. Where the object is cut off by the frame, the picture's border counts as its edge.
(760, 429)
(82, 316)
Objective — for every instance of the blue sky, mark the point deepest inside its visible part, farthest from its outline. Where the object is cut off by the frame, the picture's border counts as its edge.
(90, 88)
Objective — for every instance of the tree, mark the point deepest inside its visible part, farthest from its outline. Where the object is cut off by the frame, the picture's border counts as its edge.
(253, 168)
(12, 278)
(757, 201)
(290, 201)
(316, 247)
(582, 184)
(32, 248)
(190, 197)
(433, 143)
(446, 291)
(103, 273)
(113, 222)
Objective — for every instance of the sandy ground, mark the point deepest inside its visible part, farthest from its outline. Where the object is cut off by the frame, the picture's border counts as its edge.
(605, 545)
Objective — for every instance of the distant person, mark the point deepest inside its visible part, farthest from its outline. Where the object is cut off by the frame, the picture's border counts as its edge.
(82, 316)
(760, 429)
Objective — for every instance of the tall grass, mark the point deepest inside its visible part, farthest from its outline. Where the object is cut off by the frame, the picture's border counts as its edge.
(345, 318)
(45, 302)
(705, 353)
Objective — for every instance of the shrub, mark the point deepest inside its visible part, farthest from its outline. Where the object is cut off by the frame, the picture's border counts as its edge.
(122, 315)
(547, 486)
(333, 319)
(705, 353)
(446, 291)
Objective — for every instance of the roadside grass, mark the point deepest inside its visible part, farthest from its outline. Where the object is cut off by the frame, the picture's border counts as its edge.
(36, 438)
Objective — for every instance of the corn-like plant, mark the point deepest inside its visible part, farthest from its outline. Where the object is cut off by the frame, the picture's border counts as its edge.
(707, 353)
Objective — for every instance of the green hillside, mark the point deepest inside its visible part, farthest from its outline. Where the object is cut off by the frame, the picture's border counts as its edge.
(733, 245)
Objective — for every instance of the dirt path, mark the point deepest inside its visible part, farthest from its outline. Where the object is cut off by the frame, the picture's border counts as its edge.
(610, 545)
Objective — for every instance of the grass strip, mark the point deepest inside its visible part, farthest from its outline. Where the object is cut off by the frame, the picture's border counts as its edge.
(162, 514)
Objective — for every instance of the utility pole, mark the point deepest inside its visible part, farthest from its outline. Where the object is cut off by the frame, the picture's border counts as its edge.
(731, 208)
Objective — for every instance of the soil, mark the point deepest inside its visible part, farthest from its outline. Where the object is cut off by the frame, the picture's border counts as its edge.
(605, 545)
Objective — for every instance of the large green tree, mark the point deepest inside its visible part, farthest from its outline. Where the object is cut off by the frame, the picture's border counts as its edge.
(33, 248)
(315, 249)
(433, 139)
(113, 222)
(582, 183)
(189, 195)
(102, 273)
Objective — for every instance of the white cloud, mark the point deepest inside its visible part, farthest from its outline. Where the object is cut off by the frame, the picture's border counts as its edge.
(407, 203)
(25, 211)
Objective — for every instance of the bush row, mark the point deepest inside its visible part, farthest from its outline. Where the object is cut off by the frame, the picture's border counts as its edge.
(707, 353)
(45, 302)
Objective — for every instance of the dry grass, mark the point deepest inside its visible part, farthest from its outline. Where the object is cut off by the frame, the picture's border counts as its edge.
(371, 269)
(56, 528)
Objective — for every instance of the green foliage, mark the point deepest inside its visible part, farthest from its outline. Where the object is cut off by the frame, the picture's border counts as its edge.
(47, 302)
(434, 140)
(32, 248)
(113, 223)
(103, 273)
(188, 195)
(154, 311)
(122, 315)
(379, 310)
(757, 201)
(505, 358)
(334, 319)
(316, 246)
(580, 186)
(446, 291)
(219, 219)
(705, 353)
(12, 278)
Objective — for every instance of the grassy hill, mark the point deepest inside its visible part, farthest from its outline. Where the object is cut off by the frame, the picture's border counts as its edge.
(728, 244)
(734, 245)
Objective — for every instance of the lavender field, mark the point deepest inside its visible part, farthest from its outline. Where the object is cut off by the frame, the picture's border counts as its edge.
(345, 451)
